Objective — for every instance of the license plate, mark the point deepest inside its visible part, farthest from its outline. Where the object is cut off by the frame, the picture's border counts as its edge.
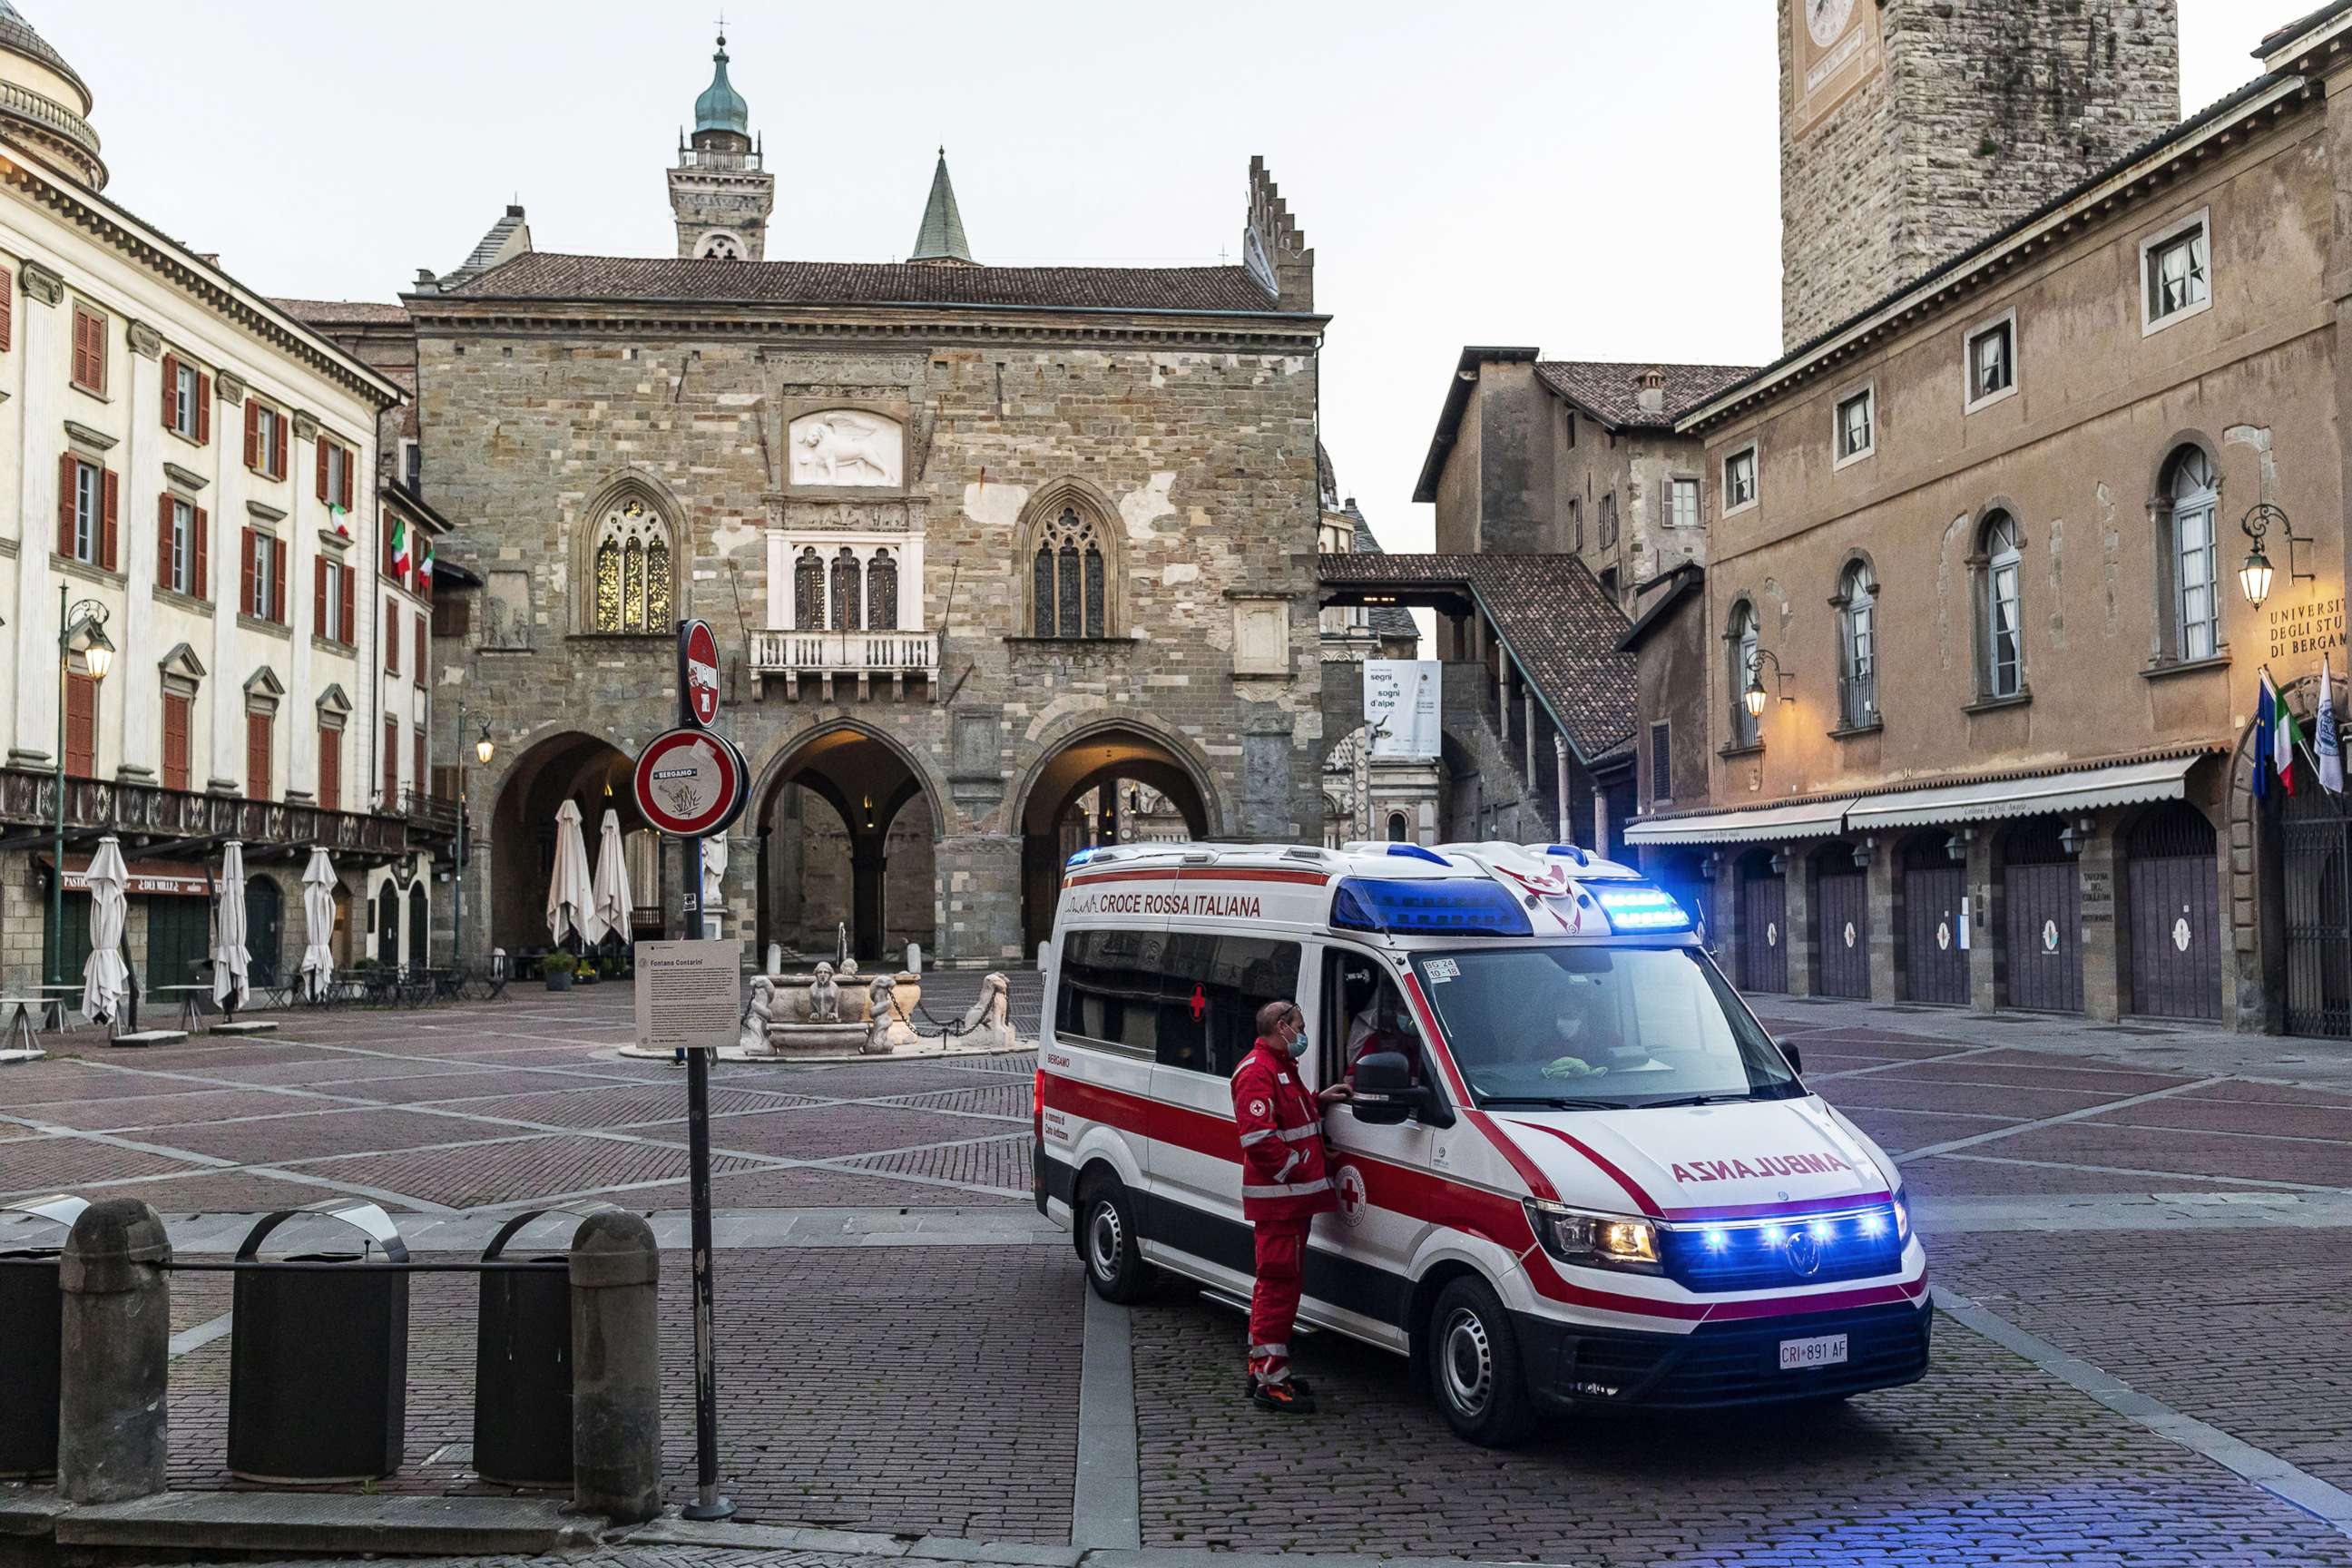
(1821, 1350)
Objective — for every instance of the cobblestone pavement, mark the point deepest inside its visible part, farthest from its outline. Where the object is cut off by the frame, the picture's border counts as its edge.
(2170, 1208)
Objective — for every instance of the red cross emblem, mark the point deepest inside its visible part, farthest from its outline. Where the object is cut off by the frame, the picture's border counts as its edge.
(1199, 1004)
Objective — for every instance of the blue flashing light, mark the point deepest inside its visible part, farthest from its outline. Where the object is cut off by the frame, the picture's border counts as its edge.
(1821, 1229)
(1457, 908)
(1079, 859)
(1874, 1224)
(1638, 906)
(1774, 1235)
(1571, 851)
(1415, 852)
(1715, 1240)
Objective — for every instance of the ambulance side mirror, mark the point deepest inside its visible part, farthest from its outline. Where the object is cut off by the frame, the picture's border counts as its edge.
(1386, 1095)
(1796, 1058)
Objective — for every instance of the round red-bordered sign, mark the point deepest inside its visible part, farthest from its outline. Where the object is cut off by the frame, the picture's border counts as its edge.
(698, 669)
(690, 782)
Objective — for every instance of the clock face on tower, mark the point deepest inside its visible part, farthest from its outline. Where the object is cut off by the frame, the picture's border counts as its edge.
(1825, 19)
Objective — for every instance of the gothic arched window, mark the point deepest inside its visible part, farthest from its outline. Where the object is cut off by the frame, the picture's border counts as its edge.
(1070, 579)
(844, 590)
(631, 560)
(808, 590)
(882, 592)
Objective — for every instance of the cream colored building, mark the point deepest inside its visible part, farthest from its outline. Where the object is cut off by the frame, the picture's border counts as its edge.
(196, 471)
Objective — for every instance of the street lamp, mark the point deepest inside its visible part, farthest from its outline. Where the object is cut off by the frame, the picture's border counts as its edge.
(1753, 699)
(484, 749)
(2255, 577)
(86, 620)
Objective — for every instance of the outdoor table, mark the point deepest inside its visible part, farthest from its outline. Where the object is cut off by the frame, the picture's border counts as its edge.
(21, 1033)
(191, 1015)
(55, 997)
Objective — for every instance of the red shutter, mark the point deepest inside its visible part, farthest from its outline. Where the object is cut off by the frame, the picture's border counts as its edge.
(252, 434)
(163, 543)
(197, 561)
(68, 471)
(323, 467)
(204, 409)
(171, 392)
(248, 597)
(331, 768)
(81, 726)
(350, 462)
(7, 311)
(420, 659)
(278, 581)
(319, 596)
(256, 756)
(391, 637)
(111, 489)
(350, 626)
(416, 779)
(391, 764)
(175, 741)
(282, 464)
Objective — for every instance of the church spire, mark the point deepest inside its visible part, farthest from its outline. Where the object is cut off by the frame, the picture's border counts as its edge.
(940, 241)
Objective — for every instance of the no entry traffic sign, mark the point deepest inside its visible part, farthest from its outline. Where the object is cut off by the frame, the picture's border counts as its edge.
(691, 782)
(698, 670)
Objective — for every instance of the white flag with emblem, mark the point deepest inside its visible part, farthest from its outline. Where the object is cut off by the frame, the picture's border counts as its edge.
(2326, 741)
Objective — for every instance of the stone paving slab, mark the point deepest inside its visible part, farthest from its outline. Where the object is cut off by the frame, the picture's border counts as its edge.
(834, 1131)
(2323, 1162)
(530, 1167)
(60, 1163)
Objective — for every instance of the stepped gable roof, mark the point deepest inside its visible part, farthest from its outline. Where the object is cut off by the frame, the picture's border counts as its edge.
(549, 275)
(1557, 625)
(1611, 391)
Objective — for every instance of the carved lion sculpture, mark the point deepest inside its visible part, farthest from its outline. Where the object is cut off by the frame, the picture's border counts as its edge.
(844, 449)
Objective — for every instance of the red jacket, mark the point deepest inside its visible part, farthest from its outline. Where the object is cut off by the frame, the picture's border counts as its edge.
(1282, 1173)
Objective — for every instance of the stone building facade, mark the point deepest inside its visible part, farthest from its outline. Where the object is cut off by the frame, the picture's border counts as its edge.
(1973, 655)
(978, 541)
(1911, 130)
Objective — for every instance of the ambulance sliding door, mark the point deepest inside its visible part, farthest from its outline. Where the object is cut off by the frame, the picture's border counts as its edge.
(1106, 1000)
(1364, 1255)
(1212, 986)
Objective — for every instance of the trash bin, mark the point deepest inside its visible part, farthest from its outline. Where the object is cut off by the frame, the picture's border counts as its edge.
(33, 1311)
(317, 1380)
(522, 1364)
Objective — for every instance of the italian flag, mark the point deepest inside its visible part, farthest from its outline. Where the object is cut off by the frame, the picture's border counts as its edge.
(425, 565)
(399, 548)
(2289, 738)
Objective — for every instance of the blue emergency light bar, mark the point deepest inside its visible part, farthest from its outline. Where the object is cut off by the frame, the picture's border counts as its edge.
(1571, 851)
(1452, 908)
(1637, 906)
(1079, 859)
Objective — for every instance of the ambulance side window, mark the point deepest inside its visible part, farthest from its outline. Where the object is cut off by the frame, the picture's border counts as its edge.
(1109, 988)
(1212, 988)
(1362, 1008)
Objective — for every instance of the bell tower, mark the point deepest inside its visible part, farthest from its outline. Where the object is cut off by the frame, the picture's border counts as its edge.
(719, 193)
(1910, 130)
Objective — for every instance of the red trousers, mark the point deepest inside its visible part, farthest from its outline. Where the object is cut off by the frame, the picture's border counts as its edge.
(1274, 1300)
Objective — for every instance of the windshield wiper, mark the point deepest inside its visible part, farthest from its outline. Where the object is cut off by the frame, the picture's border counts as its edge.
(1696, 1100)
(1555, 1101)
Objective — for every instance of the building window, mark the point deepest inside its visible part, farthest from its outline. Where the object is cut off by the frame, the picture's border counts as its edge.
(808, 590)
(2189, 551)
(86, 500)
(882, 593)
(2004, 647)
(1070, 579)
(89, 351)
(1608, 521)
(632, 564)
(335, 467)
(1740, 481)
(1992, 362)
(264, 577)
(188, 400)
(846, 608)
(1741, 640)
(1857, 650)
(177, 545)
(265, 439)
(1575, 525)
(412, 466)
(1399, 831)
(1662, 762)
(1856, 427)
(2178, 270)
(1684, 510)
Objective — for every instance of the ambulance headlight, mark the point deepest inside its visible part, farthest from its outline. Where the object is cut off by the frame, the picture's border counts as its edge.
(1594, 1240)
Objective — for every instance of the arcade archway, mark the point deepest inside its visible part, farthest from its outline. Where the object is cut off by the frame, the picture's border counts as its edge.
(1114, 784)
(593, 775)
(846, 828)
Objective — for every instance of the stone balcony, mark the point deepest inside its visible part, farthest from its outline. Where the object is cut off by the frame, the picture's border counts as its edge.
(829, 656)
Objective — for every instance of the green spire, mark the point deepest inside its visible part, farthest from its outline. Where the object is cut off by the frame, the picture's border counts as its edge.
(720, 107)
(941, 240)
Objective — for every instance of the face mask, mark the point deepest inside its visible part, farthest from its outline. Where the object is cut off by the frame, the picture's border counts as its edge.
(1298, 1045)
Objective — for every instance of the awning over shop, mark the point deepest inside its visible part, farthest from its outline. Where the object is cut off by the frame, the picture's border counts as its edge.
(2079, 789)
(1816, 819)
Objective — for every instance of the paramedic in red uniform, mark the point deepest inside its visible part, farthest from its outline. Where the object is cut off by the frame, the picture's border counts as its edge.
(1284, 1184)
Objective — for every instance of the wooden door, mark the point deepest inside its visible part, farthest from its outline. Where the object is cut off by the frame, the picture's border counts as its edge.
(1935, 964)
(2042, 939)
(265, 931)
(2176, 963)
(1842, 932)
(179, 933)
(1763, 932)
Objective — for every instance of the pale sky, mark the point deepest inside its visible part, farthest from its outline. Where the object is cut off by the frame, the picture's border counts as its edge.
(1595, 178)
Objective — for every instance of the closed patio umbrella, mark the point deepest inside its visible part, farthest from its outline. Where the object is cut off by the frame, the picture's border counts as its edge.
(231, 988)
(612, 898)
(106, 979)
(318, 913)
(571, 897)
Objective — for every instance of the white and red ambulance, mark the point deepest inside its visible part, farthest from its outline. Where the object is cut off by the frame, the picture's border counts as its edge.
(1577, 1171)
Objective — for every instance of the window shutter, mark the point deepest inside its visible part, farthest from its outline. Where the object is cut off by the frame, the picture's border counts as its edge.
(452, 618)
(417, 777)
(204, 409)
(196, 558)
(171, 392)
(351, 630)
(68, 471)
(350, 462)
(319, 596)
(175, 742)
(278, 580)
(163, 543)
(420, 651)
(391, 764)
(391, 637)
(81, 726)
(323, 467)
(250, 576)
(110, 493)
(331, 768)
(252, 434)
(256, 756)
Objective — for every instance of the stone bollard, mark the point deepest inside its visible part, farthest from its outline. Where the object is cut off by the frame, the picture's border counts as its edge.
(115, 1355)
(617, 1368)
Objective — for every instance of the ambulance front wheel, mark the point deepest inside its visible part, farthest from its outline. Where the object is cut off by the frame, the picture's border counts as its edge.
(1475, 1368)
(1107, 1241)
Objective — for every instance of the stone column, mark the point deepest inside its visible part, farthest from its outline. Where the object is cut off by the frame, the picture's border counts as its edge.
(1987, 921)
(2104, 958)
(780, 582)
(1879, 880)
(135, 694)
(33, 627)
(1503, 694)
(1797, 931)
(225, 699)
(981, 900)
(616, 1464)
(1527, 720)
(1559, 773)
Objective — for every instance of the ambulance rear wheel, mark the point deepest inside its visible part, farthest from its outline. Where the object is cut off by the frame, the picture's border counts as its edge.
(1108, 1243)
(1475, 1368)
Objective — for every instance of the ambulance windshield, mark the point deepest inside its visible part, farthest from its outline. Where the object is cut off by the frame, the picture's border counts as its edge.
(1599, 1028)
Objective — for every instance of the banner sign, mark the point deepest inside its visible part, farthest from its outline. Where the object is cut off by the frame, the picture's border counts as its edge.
(1401, 706)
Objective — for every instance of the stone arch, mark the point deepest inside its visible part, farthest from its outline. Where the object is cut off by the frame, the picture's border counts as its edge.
(868, 861)
(2253, 984)
(558, 761)
(1070, 519)
(633, 509)
(2160, 472)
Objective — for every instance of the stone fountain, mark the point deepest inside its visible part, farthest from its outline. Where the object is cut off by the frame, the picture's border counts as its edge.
(831, 1010)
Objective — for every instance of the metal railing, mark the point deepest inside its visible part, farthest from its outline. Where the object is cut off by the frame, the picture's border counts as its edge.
(844, 653)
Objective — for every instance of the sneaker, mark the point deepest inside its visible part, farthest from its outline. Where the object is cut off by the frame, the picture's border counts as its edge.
(1287, 1397)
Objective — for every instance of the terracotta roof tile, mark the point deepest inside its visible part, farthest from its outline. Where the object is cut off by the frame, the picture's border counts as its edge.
(343, 312)
(1611, 392)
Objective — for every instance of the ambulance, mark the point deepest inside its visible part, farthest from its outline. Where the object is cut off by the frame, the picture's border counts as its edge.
(1576, 1171)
